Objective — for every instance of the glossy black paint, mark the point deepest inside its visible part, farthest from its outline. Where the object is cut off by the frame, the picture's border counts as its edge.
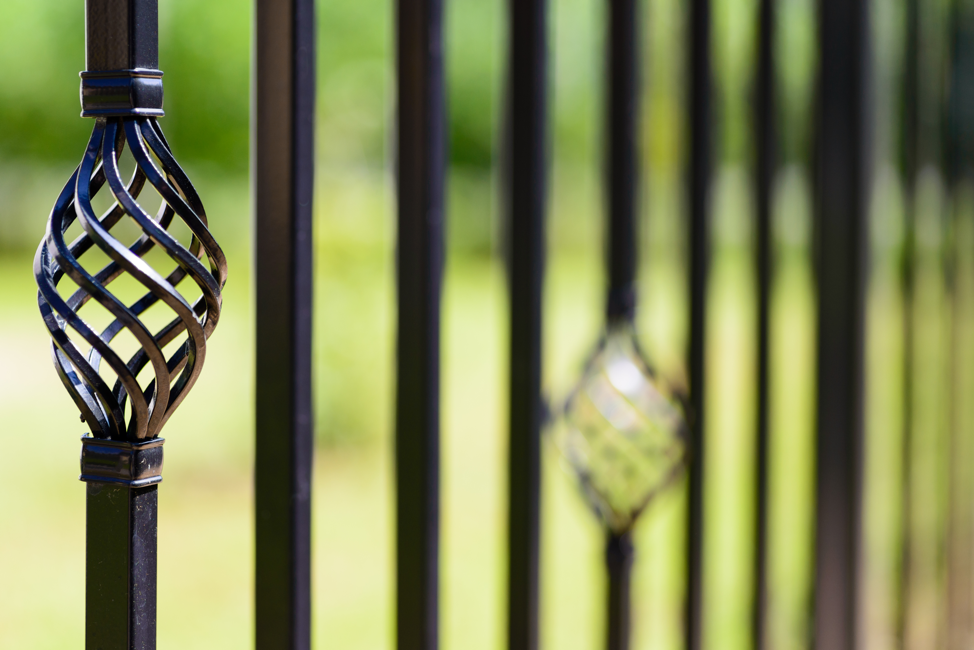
(120, 569)
(121, 35)
(622, 155)
(122, 456)
(765, 134)
(127, 93)
(619, 557)
(526, 182)
(622, 174)
(283, 168)
(122, 504)
(420, 167)
(124, 463)
(842, 180)
(103, 408)
(121, 57)
(698, 200)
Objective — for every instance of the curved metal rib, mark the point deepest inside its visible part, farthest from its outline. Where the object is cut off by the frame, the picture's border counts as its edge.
(151, 404)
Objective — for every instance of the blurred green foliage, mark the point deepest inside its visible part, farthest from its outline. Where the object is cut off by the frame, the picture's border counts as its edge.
(205, 53)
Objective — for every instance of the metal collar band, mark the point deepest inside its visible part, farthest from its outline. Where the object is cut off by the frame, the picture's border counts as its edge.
(113, 461)
(121, 93)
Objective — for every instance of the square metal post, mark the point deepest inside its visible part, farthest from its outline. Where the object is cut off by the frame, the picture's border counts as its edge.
(120, 567)
(765, 134)
(121, 35)
(283, 169)
(527, 187)
(842, 185)
(420, 168)
(120, 562)
(619, 558)
(698, 186)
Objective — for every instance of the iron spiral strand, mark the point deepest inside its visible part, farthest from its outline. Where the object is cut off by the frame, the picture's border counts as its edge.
(203, 262)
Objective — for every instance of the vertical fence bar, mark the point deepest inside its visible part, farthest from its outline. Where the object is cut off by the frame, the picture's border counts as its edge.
(700, 170)
(765, 146)
(622, 156)
(622, 117)
(283, 168)
(120, 562)
(527, 186)
(619, 558)
(420, 185)
(842, 176)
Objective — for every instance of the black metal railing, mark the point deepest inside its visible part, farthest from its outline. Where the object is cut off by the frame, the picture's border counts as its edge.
(122, 458)
(283, 172)
(526, 182)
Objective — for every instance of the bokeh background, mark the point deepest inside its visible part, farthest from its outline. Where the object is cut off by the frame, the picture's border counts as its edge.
(205, 534)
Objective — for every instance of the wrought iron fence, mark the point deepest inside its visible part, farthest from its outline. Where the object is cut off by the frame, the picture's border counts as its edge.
(622, 462)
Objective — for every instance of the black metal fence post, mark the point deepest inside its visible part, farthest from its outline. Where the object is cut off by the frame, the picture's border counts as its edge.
(120, 566)
(622, 157)
(842, 184)
(700, 171)
(283, 172)
(619, 558)
(622, 171)
(122, 459)
(420, 168)
(765, 143)
(527, 186)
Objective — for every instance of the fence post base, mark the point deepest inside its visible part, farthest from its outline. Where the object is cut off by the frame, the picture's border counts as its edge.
(122, 518)
(120, 600)
(619, 557)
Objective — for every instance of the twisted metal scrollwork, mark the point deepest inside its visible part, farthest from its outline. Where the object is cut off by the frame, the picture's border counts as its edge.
(104, 408)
